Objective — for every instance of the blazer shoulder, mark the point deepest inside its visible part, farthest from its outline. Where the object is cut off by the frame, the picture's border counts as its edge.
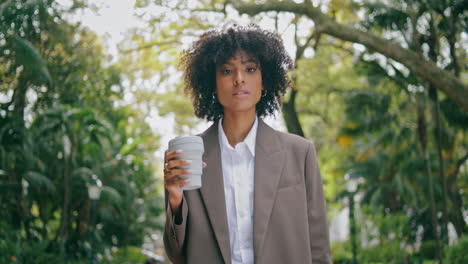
(294, 142)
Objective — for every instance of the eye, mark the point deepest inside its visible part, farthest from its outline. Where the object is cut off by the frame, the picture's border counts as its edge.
(225, 71)
(251, 69)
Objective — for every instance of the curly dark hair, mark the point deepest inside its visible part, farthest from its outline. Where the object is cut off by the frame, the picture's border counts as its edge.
(215, 47)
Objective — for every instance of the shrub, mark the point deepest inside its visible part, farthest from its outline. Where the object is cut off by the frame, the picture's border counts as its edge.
(341, 252)
(427, 249)
(384, 253)
(21, 251)
(458, 253)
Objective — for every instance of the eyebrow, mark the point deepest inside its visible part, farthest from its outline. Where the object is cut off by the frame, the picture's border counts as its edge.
(251, 60)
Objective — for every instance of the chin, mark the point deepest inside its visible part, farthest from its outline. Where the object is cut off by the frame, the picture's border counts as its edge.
(242, 111)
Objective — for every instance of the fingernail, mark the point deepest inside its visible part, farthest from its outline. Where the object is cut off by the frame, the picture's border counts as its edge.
(188, 161)
(178, 151)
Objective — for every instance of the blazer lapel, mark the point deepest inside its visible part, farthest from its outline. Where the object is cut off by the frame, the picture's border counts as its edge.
(212, 190)
(269, 159)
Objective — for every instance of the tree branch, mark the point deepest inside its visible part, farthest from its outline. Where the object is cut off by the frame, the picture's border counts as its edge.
(424, 69)
(150, 45)
(458, 165)
(301, 49)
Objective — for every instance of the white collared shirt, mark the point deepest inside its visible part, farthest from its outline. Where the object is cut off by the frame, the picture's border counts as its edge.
(238, 175)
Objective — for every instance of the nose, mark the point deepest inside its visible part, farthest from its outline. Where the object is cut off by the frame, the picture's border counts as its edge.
(239, 78)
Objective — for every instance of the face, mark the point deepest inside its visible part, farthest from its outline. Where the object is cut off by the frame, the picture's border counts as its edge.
(239, 84)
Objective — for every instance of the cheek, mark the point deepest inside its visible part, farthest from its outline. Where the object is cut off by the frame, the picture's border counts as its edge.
(220, 86)
(259, 83)
(220, 83)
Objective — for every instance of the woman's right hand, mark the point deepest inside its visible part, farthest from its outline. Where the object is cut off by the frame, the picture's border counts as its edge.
(172, 182)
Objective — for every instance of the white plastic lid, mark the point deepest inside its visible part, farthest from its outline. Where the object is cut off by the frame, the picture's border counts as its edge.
(185, 140)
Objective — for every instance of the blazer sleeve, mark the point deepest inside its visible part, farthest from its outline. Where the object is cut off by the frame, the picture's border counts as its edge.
(317, 214)
(174, 233)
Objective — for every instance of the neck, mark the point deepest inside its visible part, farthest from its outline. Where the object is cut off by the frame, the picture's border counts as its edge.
(236, 127)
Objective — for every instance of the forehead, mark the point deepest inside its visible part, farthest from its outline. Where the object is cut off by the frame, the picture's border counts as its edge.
(241, 56)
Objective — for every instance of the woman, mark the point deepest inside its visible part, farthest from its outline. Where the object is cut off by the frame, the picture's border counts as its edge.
(262, 199)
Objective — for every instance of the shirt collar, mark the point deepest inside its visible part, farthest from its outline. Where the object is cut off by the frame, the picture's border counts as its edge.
(249, 139)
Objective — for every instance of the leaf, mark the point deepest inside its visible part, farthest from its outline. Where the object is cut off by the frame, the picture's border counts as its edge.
(49, 126)
(83, 172)
(454, 114)
(5, 6)
(387, 17)
(111, 195)
(34, 65)
(38, 181)
(106, 213)
(345, 141)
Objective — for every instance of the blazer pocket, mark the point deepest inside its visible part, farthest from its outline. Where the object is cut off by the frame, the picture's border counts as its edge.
(291, 187)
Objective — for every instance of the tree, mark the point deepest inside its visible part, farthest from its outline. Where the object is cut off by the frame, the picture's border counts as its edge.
(423, 68)
(59, 126)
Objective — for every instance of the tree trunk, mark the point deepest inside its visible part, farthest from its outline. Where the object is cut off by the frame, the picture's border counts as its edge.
(65, 216)
(426, 70)
(456, 215)
(83, 218)
(291, 118)
(434, 98)
(19, 101)
(15, 170)
(438, 141)
(422, 135)
(290, 115)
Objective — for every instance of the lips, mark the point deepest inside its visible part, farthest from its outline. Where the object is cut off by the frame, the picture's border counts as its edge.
(240, 93)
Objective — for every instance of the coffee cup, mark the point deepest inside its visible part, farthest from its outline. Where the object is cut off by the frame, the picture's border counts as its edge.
(192, 149)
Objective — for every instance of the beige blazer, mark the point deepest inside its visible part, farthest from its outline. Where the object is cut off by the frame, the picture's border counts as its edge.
(289, 222)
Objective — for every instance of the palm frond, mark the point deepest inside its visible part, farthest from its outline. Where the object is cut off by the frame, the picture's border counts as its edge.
(106, 213)
(37, 180)
(34, 65)
(111, 195)
(83, 173)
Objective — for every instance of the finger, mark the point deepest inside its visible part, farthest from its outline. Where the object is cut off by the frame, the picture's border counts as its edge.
(178, 182)
(177, 163)
(204, 165)
(183, 182)
(170, 155)
(176, 172)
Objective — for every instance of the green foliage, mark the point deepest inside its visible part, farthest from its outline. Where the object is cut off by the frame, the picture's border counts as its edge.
(386, 16)
(40, 182)
(73, 130)
(458, 252)
(387, 234)
(427, 249)
(385, 253)
(373, 112)
(128, 255)
(15, 249)
(34, 66)
(455, 116)
(322, 83)
(341, 252)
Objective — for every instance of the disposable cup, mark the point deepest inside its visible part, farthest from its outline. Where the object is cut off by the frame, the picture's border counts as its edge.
(192, 149)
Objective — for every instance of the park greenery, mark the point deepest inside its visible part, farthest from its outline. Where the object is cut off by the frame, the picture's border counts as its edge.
(380, 87)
